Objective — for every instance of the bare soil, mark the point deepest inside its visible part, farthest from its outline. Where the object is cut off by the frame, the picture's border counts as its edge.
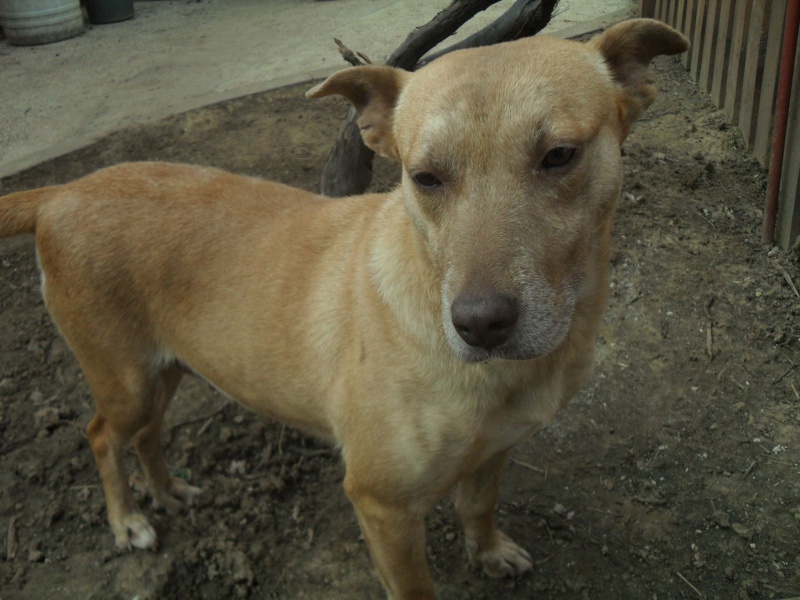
(674, 474)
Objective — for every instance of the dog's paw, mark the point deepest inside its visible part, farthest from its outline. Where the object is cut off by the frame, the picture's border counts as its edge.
(135, 531)
(176, 497)
(503, 558)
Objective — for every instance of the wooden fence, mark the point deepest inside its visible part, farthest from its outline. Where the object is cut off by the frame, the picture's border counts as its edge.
(735, 56)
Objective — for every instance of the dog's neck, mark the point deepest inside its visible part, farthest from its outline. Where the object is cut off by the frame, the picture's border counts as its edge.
(405, 277)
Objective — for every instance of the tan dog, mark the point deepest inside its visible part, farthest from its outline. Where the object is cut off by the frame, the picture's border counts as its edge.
(424, 332)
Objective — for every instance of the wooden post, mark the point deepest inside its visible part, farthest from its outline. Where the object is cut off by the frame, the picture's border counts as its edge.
(647, 8)
(769, 84)
(787, 231)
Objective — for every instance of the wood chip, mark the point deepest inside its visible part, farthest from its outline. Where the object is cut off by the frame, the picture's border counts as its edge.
(12, 542)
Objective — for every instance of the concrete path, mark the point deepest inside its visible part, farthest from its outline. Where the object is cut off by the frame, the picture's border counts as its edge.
(176, 55)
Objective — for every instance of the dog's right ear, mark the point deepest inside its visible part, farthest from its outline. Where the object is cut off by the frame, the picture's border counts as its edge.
(374, 92)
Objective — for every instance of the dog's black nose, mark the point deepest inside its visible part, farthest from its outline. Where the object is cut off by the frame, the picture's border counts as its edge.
(484, 318)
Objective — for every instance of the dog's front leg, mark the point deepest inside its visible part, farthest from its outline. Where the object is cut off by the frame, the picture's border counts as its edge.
(476, 497)
(395, 535)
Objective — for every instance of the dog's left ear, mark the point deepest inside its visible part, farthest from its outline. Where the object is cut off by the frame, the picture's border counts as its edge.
(373, 91)
(627, 49)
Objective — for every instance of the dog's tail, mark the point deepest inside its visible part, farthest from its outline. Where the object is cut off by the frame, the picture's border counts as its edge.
(18, 211)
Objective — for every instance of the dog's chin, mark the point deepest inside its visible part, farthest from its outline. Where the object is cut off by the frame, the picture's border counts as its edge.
(510, 350)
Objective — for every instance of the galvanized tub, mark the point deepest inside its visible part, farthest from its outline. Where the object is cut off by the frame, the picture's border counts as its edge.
(29, 22)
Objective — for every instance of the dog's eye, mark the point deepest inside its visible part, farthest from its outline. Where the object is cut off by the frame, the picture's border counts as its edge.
(425, 179)
(560, 156)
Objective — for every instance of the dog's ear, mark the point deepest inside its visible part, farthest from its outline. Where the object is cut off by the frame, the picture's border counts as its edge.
(627, 48)
(373, 91)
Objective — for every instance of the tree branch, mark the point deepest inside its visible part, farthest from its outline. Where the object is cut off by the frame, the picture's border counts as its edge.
(523, 19)
(348, 170)
(442, 26)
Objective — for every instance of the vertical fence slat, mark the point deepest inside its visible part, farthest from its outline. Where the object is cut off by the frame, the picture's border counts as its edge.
(752, 70)
(788, 225)
(719, 78)
(769, 83)
(673, 13)
(738, 45)
(647, 8)
(698, 38)
(680, 18)
(688, 30)
(660, 9)
(709, 44)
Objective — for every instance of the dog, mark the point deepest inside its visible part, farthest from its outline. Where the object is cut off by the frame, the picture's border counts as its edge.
(423, 332)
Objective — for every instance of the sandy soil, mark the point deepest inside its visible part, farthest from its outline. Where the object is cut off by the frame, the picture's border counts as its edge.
(674, 474)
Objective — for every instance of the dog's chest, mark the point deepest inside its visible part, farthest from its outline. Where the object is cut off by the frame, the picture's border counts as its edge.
(512, 424)
(499, 434)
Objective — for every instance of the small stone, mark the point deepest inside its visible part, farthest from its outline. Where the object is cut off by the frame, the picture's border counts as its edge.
(8, 386)
(743, 531)
(47, 417)
(722, 519)
(36, 397)
(225, 434)
(58, 350)
(237, 467)
(35, 556)
(560, 509)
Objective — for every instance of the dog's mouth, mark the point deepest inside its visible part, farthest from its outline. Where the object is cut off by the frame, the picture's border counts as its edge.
(507, 331)
(526, 343)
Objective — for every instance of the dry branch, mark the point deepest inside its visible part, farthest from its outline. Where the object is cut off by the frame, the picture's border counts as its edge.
(523, 19)
(348, 169)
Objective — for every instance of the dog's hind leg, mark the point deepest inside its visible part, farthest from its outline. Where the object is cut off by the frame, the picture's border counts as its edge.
(130, 405)
(124, 398)
(476, 497)
(170, 493)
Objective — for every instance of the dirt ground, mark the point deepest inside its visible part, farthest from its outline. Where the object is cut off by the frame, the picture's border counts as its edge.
(674, 474)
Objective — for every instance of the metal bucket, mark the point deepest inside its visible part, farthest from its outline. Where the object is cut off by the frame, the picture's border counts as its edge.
(28, 22)
(109, 11)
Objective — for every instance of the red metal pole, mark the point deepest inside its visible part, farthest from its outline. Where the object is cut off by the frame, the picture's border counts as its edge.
(781, 117)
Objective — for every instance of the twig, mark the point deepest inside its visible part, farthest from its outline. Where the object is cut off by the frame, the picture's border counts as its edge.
(788, 279)
(280, 441)
(709, 328)
(689, 583)
(528, 466)
(749, 469)
(310, 453)
(354, 58)
(785, 373)
(709, 340)
(605, 512)
(794, 389)
(196, 419)
(205, 426)
(12, 542)
(737, 383)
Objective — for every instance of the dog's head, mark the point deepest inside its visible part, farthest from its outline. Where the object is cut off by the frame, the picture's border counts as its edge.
(511, 172)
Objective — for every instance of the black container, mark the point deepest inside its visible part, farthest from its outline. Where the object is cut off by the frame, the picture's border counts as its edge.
(109, 11)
